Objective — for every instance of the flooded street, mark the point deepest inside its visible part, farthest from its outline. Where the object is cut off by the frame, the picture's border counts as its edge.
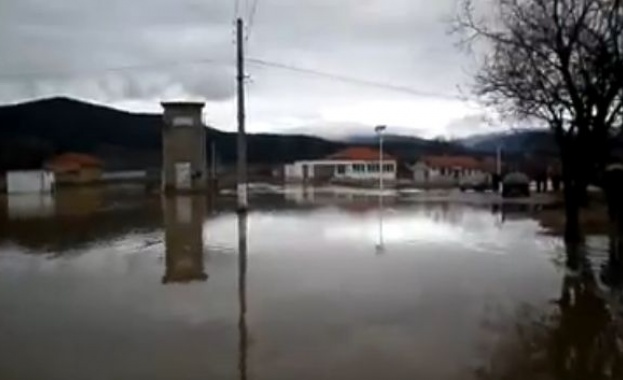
(101, 284)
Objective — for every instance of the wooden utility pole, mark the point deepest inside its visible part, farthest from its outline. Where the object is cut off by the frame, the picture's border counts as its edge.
(242, 139)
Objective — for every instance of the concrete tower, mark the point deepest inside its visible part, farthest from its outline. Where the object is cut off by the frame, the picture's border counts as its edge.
(184, 166)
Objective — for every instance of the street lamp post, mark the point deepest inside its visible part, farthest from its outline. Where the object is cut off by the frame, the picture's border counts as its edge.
(379, 131)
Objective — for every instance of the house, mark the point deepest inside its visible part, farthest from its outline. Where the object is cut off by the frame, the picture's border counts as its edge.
(75, 168)
(447, 171)
(351, 164)
(29, 182)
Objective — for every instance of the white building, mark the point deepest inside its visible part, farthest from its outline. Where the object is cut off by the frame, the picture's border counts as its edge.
(30, 182)
(357, 163)
(447, 170)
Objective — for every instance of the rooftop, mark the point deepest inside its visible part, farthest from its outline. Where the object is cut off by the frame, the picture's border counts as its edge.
(359, 154)
(464, 162)
(73, 161)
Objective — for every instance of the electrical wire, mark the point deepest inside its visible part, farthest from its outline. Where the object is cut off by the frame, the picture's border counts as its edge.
(253, 61)
(252, 17)
(348, 79)
(236, 9)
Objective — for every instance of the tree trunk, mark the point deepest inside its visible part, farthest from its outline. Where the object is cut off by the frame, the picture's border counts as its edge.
(572, 208)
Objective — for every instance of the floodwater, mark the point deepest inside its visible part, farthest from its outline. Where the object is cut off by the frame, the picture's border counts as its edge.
(111, 284)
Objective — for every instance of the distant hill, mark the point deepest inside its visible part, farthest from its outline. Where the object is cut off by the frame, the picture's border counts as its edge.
(538, 142)
(33, 131)
(409, 147)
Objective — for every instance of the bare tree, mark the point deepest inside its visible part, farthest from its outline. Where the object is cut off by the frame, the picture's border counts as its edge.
(560, 62)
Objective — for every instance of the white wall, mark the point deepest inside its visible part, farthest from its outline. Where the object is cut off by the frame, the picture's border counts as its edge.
(423, 174)
(296, 171)
(29, 182)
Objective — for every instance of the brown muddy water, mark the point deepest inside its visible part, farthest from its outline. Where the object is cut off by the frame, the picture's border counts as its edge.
(102, 284)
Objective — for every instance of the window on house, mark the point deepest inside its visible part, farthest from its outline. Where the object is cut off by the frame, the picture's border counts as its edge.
(341, 169)
(388, 168)
(358, 168)
(373, 168)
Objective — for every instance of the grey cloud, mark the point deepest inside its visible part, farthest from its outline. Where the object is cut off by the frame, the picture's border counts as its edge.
(401, 42)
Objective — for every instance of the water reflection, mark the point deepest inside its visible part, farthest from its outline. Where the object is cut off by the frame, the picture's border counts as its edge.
(28, 206)
(581, 338)
(183, 236)
(380, 247)
(73, 219)
(296, 292)
(242, 295)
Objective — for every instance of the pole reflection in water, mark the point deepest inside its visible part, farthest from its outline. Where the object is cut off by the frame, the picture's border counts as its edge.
(242, 294)
(183, 224)
(380, 247)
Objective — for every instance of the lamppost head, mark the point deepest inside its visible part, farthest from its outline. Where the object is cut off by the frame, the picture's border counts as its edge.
(380, 128)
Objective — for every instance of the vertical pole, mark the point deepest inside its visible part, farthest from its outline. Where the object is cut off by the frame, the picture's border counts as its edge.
(242, 143)
(213, 161)
(381, 162)
(498, 167)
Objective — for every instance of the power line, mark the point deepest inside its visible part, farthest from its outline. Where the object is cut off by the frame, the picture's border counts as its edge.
(236, 9)
(348, 79)
(252, 17)
(256, 61)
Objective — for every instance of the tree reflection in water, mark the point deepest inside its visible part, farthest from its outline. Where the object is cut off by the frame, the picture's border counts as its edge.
(580, 338)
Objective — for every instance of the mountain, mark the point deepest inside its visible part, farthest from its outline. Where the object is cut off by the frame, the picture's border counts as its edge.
(32, 132)
(534, 141)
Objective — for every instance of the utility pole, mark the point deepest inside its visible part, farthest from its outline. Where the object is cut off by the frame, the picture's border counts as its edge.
(379, 131)
(213, 161)
(242, 138)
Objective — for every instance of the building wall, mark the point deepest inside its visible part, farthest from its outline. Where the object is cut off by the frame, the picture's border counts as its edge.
(339, 169)
(183, 143)
(183, 225)
(81, 176)
(425, 175)
(30, 181)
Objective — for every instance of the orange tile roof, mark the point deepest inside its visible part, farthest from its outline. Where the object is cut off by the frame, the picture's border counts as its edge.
(72, 161)
(359, 154)
(464, 162)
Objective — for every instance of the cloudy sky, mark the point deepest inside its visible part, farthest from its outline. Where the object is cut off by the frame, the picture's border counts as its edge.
(134, 53)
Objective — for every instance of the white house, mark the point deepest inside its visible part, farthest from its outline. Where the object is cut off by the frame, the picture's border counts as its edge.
(446, 170)
(357, 163)
(30, 182)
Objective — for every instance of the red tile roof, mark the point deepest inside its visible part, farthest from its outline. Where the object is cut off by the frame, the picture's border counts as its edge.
(359, 154)
(72, 161)
(464, 162)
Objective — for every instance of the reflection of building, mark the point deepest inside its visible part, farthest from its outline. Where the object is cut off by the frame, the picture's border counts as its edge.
(446, 170)
(25, 206)
(358, 164)
(183, 224)
(309, 195)
(75, 168)
(183, 148)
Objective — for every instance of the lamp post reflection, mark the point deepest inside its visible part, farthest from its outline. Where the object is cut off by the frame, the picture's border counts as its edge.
(183, 223)
(380, 247)
(242, 295)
